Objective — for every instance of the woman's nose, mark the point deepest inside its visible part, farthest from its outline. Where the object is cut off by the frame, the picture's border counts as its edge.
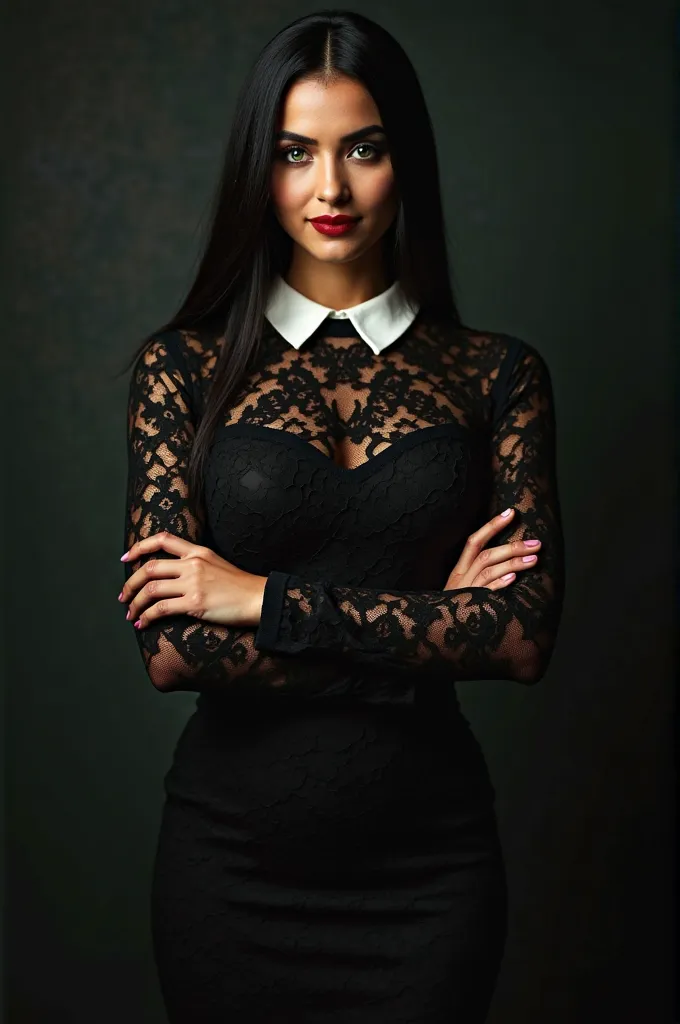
(332, 184)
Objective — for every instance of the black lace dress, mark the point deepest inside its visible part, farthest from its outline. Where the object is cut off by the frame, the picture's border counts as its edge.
(328, 849)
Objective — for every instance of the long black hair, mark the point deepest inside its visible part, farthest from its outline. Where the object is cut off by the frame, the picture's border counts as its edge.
(246, 246)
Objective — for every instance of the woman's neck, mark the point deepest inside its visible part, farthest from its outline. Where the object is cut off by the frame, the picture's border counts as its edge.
(336, 285)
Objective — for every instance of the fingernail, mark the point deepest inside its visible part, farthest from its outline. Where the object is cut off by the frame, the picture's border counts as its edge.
(125, 557)
(138, 623)
(128, 614)
(531, 543)
(507, 512)
(529, 558)
(120, 596)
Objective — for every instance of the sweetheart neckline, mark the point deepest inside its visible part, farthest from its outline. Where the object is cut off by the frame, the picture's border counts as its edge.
(404, 443)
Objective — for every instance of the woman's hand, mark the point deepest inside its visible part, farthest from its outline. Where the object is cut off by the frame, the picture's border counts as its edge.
(197, 583)
(492, 568)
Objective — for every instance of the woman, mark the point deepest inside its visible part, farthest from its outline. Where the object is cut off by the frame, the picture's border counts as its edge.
(320, 455)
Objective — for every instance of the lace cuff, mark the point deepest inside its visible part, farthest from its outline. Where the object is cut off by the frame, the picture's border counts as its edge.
(272, 607)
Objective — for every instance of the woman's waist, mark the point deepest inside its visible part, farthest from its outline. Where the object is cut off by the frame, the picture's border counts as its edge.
(254, 756)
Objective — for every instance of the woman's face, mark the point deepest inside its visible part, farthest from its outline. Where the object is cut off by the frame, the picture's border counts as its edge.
(322, 175)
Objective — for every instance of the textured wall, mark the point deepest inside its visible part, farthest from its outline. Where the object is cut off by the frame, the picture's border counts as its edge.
(553, 131)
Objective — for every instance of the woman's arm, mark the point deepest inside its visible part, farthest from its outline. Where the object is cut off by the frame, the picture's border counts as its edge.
(181, 652)
(470, 633)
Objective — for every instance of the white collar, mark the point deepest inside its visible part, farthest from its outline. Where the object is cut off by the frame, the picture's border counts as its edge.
(379, 321)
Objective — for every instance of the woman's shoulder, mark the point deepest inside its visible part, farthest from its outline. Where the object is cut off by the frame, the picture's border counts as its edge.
(176, 359)
(496, 345)
(483, 350)
(189, 351)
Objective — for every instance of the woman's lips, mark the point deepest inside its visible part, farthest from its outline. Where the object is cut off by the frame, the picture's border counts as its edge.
(334, 227)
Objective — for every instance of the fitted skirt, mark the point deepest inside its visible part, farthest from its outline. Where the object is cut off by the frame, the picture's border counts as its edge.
(327, 864)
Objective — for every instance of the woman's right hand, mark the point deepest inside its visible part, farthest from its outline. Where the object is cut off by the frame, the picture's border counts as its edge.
(492, 568)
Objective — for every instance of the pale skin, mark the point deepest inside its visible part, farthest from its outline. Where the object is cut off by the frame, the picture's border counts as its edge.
(308, 179)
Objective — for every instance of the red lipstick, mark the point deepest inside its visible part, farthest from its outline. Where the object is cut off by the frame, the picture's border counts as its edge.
(338, 225)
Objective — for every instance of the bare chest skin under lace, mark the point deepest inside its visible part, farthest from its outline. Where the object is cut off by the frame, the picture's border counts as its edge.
(347, 402)
(352, 480)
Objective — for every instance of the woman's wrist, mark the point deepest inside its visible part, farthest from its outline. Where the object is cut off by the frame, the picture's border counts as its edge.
(259, 583)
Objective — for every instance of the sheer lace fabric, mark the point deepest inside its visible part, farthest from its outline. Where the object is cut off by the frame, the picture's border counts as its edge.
(352, 480)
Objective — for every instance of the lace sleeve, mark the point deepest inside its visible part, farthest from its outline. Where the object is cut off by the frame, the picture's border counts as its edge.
(181, 652)
(467, 633)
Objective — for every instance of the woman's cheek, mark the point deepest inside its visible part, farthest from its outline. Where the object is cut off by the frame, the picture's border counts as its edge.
(388, 188)
(278, 197)
(287, 195)
(378, 190)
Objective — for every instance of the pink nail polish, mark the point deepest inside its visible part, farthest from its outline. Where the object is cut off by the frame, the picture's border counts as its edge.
(506, 513)
(124, 557)
(128, 614)
(529, 558)
(138, 623)
(120, 596)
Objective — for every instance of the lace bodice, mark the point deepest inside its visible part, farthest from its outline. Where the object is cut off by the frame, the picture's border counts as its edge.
(352, 480)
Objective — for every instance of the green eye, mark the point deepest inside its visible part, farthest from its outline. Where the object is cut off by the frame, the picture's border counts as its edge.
(293, 149)
(367, 145)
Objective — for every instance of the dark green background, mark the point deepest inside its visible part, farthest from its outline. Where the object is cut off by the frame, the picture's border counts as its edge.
(553, 126)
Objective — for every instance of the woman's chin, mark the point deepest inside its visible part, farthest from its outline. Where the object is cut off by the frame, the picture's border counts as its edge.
(336, 250)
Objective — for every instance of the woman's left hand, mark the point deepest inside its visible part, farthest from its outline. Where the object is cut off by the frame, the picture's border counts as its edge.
(198, 582)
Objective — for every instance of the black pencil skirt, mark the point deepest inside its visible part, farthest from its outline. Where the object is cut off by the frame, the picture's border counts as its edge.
(331, 865)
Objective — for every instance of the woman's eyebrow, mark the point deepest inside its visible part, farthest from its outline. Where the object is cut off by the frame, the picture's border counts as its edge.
(361, 133)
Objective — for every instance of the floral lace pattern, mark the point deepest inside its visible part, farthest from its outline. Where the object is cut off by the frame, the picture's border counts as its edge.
(329, 861)
(353, 480)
